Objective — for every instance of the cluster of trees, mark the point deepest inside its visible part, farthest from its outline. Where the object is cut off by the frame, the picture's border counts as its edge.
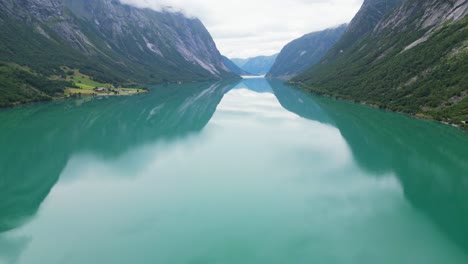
(19, 85)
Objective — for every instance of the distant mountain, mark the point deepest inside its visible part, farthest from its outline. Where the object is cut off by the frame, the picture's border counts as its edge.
(239, 62)
(104, 39)
(300, 54)
(259, 65)
(404, 55)
(233, 67)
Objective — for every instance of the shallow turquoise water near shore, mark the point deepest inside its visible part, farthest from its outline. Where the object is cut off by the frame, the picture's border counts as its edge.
(249, 172)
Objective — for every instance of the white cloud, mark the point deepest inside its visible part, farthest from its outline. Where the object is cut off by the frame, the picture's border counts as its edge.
(245, 28)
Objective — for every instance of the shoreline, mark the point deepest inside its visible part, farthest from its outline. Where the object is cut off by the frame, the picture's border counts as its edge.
(143, 90)
(60, 98)
(73, 93)
(376, 106)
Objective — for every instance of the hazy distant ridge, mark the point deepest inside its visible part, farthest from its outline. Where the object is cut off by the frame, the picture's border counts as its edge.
(259, 65)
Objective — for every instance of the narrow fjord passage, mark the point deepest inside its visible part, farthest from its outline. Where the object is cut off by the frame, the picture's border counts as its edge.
(254, 172)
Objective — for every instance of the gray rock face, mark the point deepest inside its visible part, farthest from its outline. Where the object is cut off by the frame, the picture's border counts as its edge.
(433, 13)
(371, 12)
(385, 18)
(156, 34)
(421, 15)
(164, 42)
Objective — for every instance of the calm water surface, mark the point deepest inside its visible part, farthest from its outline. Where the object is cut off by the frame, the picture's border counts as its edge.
(254, 172)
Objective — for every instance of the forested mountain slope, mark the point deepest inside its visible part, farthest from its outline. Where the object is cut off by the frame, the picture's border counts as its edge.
(104, 39)
(404, 55)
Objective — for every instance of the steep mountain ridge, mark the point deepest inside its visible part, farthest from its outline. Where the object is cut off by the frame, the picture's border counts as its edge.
(300, 54)
(413, 59)
(155, 34)
(239, 62)
(107, 40)
(370, 14)
(233, 67)
(423, 14)
(367, 18)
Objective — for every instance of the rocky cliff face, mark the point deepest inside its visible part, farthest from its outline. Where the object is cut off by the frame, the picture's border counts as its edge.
(423, 14)
(370, 14)
(143, 33)
(135, 43)
(300, 54)
(403, 55)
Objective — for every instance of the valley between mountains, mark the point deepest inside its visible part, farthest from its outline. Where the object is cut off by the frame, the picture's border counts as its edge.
(409, 56)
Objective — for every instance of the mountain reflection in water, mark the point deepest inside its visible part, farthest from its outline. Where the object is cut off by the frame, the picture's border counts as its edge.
(278, 165)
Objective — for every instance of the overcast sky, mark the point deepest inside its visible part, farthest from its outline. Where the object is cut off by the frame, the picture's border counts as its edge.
(246, 28)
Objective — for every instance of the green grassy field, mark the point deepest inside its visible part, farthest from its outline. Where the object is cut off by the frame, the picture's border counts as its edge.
(21, 85)
(83, 81)
(85, 85)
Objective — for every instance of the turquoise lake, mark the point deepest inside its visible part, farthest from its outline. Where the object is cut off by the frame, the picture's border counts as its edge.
(221, 173)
